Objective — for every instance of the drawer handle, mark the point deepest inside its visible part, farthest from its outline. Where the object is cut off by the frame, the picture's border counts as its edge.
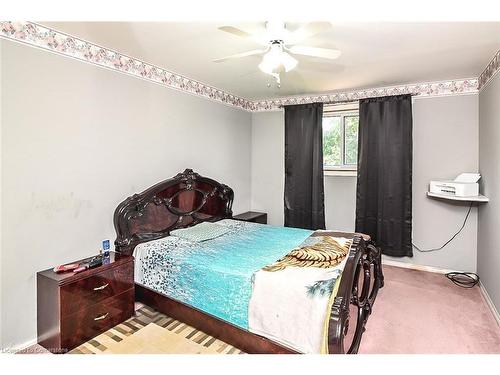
(101, 317)
(101, 287)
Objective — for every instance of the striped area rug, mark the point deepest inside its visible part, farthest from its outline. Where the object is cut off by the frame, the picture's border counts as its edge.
(144, 316)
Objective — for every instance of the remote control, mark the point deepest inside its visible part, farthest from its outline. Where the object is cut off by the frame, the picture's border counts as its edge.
(91, 263)
(95, 261)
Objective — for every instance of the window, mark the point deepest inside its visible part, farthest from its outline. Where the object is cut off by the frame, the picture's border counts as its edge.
(340, 137)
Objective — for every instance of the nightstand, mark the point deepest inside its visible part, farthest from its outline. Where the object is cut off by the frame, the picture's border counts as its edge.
(73, 308)
(254, 217)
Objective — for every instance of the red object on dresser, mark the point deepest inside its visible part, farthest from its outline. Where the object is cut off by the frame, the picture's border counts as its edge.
(66, 267)
(73, 308)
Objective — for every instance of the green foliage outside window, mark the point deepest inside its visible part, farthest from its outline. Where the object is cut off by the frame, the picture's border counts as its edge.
(340, 141)
(332, 141)
(351, 139)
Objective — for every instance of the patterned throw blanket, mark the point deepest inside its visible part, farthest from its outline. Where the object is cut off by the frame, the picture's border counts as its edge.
(299, 287)
(325, 253)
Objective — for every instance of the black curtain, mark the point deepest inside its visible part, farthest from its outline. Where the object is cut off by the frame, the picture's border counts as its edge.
(383, 197)
(304, 193)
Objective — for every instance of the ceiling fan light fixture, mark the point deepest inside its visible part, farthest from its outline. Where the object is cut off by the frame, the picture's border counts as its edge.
(276, 60)
(288, 61)
(266, 68)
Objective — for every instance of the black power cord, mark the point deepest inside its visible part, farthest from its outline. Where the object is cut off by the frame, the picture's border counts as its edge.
(462, 279)
(451, 239)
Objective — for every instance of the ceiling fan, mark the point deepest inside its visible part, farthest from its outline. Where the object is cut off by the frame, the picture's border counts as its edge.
(280, 44)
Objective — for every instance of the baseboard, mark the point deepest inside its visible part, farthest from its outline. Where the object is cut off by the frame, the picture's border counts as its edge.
(490, 303)
(418, 267)
(19, 347)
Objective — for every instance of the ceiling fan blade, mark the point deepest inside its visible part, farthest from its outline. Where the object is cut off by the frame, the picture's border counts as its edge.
(243, 54)
(243, 34)
(235, 31)
(325, 53)
(307, 31)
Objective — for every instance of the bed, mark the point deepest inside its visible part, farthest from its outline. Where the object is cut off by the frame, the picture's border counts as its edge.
(213, 285)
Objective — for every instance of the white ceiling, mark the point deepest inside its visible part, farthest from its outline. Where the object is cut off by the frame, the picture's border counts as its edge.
(373, 54)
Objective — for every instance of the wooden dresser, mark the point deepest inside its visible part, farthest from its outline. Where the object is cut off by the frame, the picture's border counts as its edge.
(73, 308)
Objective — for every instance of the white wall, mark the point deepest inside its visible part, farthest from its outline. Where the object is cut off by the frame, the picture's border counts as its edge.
(488, 252)
(340, 213)
(268, 165)
(77, 140)
(445, 134)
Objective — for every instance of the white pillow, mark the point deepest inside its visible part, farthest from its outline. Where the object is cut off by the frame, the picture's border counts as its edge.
(200, 232)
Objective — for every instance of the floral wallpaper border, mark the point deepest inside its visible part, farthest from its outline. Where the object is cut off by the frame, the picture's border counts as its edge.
(462, 86)
(49, 39)
(491, 69)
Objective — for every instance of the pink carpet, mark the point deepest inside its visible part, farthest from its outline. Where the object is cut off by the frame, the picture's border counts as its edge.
(422, 313)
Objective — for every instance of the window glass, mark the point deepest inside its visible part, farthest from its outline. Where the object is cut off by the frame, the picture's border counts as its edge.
(332, 141)
(351, 139)
(340, 140)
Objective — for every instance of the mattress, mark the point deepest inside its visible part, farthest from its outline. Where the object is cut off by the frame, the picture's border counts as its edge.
(215, 276)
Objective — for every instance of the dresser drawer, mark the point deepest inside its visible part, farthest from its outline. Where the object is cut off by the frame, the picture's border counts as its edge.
(98, 318)
(96, 288)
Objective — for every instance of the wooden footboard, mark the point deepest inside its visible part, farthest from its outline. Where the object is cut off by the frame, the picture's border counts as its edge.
(361, 279)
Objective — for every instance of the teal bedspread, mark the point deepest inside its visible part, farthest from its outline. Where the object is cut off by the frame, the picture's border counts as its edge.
(215, 276)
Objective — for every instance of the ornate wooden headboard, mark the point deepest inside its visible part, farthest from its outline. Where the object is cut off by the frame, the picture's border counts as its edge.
(184, 200)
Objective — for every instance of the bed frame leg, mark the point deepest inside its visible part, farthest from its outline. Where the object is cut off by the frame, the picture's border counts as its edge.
(378, 262)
